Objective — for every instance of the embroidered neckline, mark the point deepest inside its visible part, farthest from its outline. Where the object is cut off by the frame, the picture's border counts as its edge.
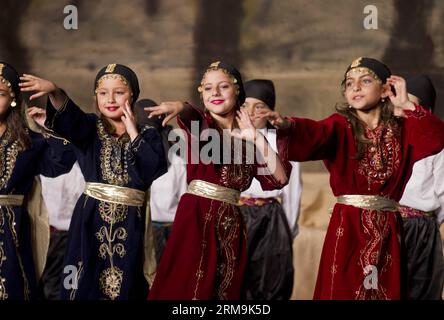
(113, 157)
(382, 155)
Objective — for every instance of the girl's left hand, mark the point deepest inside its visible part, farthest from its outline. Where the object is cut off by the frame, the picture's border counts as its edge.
(400, 99)
(129, 121)
(38, 115)
(41, 87)
(247, 130)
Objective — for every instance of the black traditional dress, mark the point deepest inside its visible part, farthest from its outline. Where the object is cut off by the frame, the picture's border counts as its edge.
(104, 257)
(48, 155)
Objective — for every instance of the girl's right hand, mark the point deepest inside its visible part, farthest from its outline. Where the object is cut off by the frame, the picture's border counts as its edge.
(169, 108)
(275, 119)
(40, 86)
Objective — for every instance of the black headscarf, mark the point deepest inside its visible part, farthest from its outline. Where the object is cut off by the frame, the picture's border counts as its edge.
(129, 75)
(8, 73)
(380, 70)
(156, 122)
(142, 116)
(261, 89)
(422, 87)
(232, 71)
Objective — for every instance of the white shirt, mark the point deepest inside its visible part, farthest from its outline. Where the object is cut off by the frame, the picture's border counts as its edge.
(425, 188)
(167, 190)
(60, 195)
(290, 194)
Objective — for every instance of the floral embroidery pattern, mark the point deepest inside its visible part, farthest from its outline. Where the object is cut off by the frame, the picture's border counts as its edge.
(227, 224)
(376, 228)
(113, 157)
(382, 156)
(113, 163)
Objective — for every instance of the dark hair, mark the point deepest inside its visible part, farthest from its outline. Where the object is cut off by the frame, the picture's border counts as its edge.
(17, 126)
(15, 118)
(422, 88)
(358, 126)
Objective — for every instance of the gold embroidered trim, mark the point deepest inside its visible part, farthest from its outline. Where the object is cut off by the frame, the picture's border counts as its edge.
(364, 70)
(356, 62)
(213, 67)
(3, 292)
(113, 157)
(376, 227)
(50, 133)
(111, 282)
(8, 158)
(203, 249)
(112, 76)
(12, 224)
(382, 154)
(226, 226)
(8, 84)
(79, 272)
(110, 68)
(58, 112)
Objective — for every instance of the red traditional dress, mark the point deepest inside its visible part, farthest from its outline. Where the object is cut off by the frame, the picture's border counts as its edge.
(361, 254)
(205, 255)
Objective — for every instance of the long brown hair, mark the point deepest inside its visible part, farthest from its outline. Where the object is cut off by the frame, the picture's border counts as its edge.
(17, 126)
(358, 126)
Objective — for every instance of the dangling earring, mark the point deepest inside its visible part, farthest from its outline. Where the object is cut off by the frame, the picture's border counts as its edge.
(13, 104)
(383, 100)
(350, 107)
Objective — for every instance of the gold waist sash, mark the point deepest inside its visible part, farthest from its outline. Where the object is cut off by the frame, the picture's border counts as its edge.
(115, 194)
(213, 191)
(11, 200)
(369, 202)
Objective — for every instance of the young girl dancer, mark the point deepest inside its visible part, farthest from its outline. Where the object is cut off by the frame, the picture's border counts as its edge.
(206, 254)
(24, 154)
(369, 147)
(104, 256)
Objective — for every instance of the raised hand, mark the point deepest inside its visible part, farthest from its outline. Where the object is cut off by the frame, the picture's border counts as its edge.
(399, 99)
(129, 121)
(38, 115)
(40, 86)
(247, 130)
(275, 119)
(169, 108)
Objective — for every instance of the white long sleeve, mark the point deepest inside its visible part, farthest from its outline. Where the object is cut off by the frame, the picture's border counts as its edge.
(60, 195)
(167, 190)
(425, 188)
(290, 194)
